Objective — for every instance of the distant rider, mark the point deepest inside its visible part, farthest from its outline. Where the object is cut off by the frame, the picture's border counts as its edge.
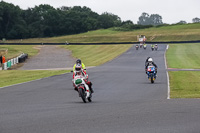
(150, 63)
(78, 61)
(78, 70)
(136, 46)
(156, 46)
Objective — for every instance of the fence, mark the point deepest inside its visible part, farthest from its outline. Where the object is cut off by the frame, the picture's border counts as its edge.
(20, 59)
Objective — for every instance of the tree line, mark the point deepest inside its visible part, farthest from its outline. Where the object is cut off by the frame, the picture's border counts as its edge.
(47, 21)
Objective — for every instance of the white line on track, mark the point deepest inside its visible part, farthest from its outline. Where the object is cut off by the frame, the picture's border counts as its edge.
(168, 86)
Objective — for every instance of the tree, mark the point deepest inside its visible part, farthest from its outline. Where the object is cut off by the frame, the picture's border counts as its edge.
(155, 19)
(182, 22)
(146, 19)
(196, 20)
(108, 20)
(12, 24)
(46, 21)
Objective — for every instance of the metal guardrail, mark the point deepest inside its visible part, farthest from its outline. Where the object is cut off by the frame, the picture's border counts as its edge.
(103, 43)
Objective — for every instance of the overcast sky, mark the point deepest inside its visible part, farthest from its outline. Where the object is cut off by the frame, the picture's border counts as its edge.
(172, 11)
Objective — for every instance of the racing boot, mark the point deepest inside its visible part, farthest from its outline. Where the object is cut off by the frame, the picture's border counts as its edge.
(90, 86)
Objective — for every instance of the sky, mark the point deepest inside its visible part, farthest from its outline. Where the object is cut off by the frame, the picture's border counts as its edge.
(172, 11)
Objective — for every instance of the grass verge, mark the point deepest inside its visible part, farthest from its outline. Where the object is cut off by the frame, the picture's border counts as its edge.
(11, 77)
(183, 56)
(94, 55)
(16, 50)
(185, 84)
(183, 32)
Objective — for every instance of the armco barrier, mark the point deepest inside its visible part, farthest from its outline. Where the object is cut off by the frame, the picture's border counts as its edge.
(12, 62)
(22, 58)
(26, 56)
(17, 60)
(9, 64)
(4, 67)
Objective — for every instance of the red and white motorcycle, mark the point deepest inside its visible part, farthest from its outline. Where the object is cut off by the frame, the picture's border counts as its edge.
(83, 89)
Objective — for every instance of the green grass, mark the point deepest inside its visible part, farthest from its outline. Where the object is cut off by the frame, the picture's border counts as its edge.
(11, 77)
(184, 56)
(16, 50)
(184, 32)
(94, 55)
(185, 84)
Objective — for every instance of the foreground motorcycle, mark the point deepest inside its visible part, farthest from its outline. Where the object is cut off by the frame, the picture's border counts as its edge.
(83, 88)
(151, 72)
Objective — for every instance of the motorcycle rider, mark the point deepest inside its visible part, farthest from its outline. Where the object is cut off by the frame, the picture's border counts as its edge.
(146, 61)
(145, 45)
(150, 63)
(152, 46)
(156, 46)
(78, 61)
(78, 70)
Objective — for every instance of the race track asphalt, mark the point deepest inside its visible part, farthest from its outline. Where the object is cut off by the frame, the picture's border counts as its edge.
(124, 102)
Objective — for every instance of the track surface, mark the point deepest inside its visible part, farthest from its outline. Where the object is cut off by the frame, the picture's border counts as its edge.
(124, 102)
(49, 57)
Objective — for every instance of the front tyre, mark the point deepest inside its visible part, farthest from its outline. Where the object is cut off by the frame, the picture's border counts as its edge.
(152, 80)
(82, 94)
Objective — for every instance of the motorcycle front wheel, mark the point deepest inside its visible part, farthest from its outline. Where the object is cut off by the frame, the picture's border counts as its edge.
(152, 81)
(82, 94)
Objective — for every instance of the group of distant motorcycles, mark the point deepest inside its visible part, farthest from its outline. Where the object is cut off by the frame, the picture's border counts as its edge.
(153, 47)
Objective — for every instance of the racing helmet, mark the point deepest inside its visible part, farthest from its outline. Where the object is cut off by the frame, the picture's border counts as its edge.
(78, 67)
(78, 61)
(150, 60)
